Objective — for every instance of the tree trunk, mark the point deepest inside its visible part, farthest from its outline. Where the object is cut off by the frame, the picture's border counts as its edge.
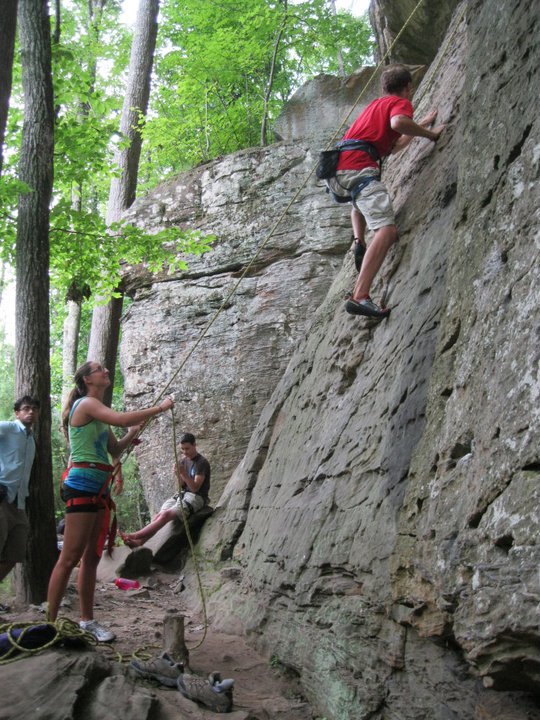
(8, 24)
(72, 325)
(270, 85)
(32, 341)
(104, 338)
(339, 54)
(105, 332)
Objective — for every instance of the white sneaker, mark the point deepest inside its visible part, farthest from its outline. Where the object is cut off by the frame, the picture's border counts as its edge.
(98, 631)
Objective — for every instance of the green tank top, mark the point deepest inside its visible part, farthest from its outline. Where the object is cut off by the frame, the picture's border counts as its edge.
(88, 443)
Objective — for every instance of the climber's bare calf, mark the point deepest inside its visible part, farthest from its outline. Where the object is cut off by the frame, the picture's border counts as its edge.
(138, 538)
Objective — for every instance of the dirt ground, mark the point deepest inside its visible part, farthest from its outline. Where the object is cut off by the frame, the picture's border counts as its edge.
(261, 691)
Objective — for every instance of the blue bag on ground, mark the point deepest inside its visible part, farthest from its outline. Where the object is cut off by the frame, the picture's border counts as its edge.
(30, 638)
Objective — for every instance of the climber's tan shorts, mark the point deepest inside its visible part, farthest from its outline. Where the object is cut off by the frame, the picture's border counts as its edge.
(373, 202)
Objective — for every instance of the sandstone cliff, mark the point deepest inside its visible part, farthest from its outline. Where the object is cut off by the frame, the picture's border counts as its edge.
(384, 516)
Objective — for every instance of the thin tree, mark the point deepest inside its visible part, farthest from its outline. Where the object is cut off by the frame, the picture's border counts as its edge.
(105, 331)
(8, 25)
(339, 55)
(270, 84)
(75, 297)
(32, 368)
(78, 292)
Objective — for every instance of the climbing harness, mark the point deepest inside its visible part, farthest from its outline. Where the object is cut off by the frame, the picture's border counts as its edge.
(103, 500)
(329, 159)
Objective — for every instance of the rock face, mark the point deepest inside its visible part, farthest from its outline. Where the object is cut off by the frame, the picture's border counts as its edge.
(225, 383)
(421, 28)
(317, 109)
(78, 685)
(383, 521)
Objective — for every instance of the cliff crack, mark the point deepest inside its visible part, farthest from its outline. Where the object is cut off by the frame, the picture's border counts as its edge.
(515, 152)
(474, 520)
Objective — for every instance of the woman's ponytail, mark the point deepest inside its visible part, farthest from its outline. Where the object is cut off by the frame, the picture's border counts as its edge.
(79, 391)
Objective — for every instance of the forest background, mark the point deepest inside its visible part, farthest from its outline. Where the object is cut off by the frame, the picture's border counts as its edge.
(219, 74)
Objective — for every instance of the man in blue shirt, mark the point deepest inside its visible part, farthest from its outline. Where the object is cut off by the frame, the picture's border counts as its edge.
(17, 452)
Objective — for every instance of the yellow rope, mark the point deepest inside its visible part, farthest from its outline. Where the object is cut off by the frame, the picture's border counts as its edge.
(63, 627)
(191, 543)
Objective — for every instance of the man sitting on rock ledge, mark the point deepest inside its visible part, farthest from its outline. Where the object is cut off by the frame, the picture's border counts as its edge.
(385, 127)
(193, 475)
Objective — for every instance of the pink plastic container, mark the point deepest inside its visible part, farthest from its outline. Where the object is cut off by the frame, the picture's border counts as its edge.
(125, 584)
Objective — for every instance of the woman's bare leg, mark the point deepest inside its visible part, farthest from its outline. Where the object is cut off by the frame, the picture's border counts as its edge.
(79, 526)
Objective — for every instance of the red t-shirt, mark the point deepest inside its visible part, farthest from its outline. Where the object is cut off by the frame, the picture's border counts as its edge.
(373, 125)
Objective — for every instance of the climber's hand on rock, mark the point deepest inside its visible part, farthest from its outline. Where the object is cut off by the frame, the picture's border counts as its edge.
(429, 119)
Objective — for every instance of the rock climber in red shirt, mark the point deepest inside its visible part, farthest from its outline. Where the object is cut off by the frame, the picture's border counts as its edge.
(387, 126)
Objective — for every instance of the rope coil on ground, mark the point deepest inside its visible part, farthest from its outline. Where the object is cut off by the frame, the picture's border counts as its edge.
(62, 629)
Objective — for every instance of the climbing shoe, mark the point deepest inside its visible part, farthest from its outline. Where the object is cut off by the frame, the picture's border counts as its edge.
(163, 669)
(213, 692)
(366, 307)
(98, 631)
(359, 250)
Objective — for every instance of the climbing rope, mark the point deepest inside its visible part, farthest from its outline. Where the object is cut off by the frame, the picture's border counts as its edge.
(54, 632)
(191, 543)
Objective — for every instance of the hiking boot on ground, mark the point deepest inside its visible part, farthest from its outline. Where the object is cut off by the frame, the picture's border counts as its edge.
(213, 692)
(98, 631)
(359, 250)
(366, 307)
(163, 669)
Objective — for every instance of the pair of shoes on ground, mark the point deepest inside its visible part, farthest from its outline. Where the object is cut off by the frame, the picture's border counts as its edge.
(4, 608)
(98, 631)
(366, 307)
(213, 692)
(163, 669)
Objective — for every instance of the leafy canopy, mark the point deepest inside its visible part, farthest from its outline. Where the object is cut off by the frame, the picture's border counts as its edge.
(213, 72)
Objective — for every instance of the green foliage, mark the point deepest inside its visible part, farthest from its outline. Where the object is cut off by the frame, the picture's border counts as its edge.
(277, 665)
(213, 72)
(10, 189)
(7, 377)
(131, 508)
(85, 250)
(6, 587)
